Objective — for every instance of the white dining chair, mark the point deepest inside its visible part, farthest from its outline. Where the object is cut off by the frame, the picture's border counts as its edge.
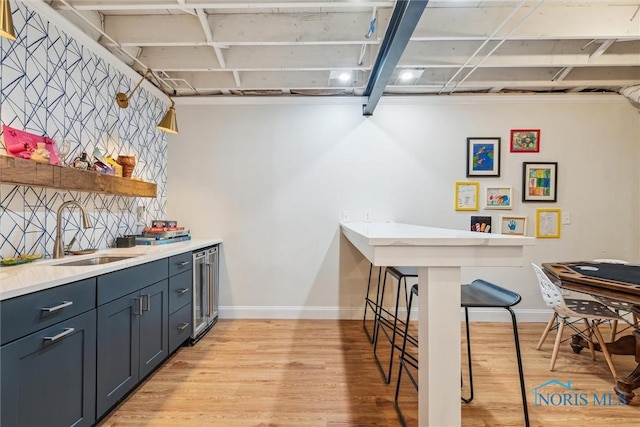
(590, 312)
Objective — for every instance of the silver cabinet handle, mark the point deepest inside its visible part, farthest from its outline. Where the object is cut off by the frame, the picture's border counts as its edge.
(57, 307)
(139, 303)
(183, 326)
(62, 334)
(148, 298)
(182, 291)
(182, 264)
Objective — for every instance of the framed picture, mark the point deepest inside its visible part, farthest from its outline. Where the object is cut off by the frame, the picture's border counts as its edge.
(481, 224)
(548, 223)
(539, 181)
(467, 196)
(525, 140)
(497, 197)
(483, 157)
(514, 225)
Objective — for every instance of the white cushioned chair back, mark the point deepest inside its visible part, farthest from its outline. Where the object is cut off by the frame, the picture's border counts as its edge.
(551, 293)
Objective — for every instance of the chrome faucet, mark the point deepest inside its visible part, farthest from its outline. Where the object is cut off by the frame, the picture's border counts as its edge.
(58, 246)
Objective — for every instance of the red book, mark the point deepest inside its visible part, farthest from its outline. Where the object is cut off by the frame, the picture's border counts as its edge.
(160, 229)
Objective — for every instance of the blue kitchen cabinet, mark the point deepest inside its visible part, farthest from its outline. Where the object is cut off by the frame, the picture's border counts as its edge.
(180, 299)
(132, 329)
(154, 336)
(49, 377)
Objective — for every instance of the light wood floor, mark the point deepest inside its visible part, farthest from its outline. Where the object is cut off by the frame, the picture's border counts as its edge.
(322, 373)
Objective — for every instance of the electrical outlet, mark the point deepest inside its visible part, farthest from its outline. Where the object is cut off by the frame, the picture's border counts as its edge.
(140, 213)
(345, 216)
(367, 216)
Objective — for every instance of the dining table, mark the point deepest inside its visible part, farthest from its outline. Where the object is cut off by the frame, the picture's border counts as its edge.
(618, 286)
(439, 254)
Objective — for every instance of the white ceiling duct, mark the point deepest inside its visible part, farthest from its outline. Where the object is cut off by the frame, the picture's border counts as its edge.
(632, 93)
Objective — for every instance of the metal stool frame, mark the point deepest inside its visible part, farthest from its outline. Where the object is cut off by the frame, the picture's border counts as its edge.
(482, 294)
(391, 325)
(406, 358)
(371, 304)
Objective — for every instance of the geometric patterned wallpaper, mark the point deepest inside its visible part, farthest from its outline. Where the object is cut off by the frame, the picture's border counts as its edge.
(52, 85)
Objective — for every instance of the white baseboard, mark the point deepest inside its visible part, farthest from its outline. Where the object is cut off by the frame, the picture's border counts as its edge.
(355, 313)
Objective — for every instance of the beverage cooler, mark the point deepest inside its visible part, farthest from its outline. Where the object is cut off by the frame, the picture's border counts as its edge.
(205, 291)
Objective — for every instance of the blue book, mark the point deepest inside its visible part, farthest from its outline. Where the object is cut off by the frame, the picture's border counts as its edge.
(160, 241)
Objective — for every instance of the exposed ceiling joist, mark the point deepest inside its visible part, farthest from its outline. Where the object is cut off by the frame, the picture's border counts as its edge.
(404, 19)
(301, 47)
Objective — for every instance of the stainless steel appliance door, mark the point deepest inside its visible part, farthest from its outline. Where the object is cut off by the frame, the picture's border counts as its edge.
(212, 256)
(201, 298)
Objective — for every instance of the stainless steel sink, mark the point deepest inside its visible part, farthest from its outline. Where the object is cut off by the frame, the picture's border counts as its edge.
(98, 260)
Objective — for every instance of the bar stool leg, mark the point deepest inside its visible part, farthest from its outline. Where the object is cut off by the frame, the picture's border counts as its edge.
(466, 321)
(523, 390)
(369, 304)
(387, 375)
(402, 364)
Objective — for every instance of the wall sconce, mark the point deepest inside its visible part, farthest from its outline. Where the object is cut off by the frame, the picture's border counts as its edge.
(6, 21)
(168, 123)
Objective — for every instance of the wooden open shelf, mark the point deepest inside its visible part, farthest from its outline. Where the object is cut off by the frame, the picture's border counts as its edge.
(28, 172)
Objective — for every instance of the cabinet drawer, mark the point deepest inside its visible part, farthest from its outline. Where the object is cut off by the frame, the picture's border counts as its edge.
(23, 315)
(179, 327)
(180, 263)
(180, 290)
(114, 285)
(48, 378)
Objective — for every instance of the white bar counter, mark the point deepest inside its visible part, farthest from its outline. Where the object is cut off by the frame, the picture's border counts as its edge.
(439, 254)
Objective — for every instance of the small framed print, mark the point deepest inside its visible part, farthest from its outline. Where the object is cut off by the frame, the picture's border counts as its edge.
(514, 225)
(481, 224)
(548, 223)
(497, 197)
(467, 196)
(483, 156)
(539, 181)
(525, 141)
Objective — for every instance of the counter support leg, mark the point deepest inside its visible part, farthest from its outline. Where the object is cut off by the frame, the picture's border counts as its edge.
(439, 346)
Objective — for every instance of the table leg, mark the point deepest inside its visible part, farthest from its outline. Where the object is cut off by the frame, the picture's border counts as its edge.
(627, 345)
(439, 346)
(625, 386)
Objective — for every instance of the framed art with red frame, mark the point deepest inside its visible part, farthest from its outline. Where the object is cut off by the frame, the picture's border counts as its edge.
(525, 141)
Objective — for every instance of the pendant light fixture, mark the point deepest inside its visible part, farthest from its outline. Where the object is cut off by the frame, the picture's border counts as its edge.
(168, 123)
(6, 21)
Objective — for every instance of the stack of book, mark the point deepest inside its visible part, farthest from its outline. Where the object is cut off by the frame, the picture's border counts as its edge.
(163, 235)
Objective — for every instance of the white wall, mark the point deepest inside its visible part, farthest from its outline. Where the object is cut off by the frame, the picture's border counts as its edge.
(272, 180)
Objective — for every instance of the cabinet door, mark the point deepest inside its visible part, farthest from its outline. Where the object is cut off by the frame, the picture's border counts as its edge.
(48, 377)
(118, 350)
(154, 335)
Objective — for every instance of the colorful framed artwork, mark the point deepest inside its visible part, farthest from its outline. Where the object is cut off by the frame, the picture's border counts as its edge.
(539, 181)
(497, 197)
(525, 140)
(513, 224)
(548, 223)
(483, 156)
(481, 224)
(467, 195)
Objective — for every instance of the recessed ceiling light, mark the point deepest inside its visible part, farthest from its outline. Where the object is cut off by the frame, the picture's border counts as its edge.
(406, 75)
(344, 76)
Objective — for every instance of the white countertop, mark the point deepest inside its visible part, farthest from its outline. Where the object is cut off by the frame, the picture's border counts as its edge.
(398, 234)
(43, 274)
